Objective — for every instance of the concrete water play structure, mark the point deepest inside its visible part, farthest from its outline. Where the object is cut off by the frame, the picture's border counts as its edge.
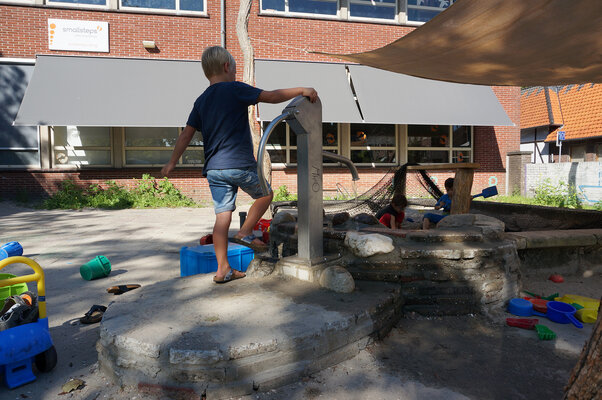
(327, 290)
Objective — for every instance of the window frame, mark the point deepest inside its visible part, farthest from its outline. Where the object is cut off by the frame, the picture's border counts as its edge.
(25, 149)
(343, 13)
(288, 147)
(396, 18)
(394, 147)
(176, 10)
(54, 147)
(61, 4)
(157, 148)
(450, 148)
(19, 2)
(417, 7)
(287, 13)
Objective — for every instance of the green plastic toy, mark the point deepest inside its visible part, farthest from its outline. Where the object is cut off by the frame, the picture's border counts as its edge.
(550, 297)
(545, 333)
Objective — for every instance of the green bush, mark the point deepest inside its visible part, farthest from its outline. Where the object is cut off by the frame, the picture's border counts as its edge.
(282, 194)
(146, 194)
(561, 195)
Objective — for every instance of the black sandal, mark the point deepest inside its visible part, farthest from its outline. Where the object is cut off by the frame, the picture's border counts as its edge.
(94, 315)
(122, 288)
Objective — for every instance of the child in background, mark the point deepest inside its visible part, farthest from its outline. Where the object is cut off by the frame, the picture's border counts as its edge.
(392, 215)
(443, 202)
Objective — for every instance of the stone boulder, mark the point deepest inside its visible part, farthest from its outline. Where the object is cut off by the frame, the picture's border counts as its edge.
(366, 219)
(489, 226)
(337, 279)
(366, 245)
(282, 217)
(259, 268)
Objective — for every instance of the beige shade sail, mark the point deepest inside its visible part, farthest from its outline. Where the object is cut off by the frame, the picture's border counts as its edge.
(502, 43)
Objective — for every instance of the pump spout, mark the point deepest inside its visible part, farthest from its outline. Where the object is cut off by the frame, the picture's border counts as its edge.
(261, 150)
(344, 160)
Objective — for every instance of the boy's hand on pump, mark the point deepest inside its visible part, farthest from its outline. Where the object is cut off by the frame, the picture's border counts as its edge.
(311, 94)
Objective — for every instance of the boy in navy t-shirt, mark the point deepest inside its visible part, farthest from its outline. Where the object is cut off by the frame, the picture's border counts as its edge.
(220, 113)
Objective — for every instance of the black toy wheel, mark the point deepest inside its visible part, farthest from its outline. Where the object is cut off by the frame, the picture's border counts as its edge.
(46, 360)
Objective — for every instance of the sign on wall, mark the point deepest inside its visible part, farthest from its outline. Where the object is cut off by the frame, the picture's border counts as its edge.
(65, 34)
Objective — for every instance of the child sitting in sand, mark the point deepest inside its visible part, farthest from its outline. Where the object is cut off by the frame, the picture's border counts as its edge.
(392, 215)
(443, 202)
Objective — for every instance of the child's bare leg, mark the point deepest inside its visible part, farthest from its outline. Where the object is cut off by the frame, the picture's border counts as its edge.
(220, 243)
(256, 211)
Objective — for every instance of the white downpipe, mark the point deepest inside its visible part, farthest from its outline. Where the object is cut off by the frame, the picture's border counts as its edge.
(223, 22)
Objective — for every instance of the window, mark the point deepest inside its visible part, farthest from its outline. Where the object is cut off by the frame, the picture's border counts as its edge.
(319, 7)
(400, 11)
(599, 152)
(373, 144)
(425, 10)
(578, 153)
(379, 9)
(18, 144)
(80, 2)
(153, 146)
(81, 146)
(431, 144)
(171, 5)
(282, 145)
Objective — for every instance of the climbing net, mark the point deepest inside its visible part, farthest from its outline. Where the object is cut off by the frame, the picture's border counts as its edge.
(380, 195)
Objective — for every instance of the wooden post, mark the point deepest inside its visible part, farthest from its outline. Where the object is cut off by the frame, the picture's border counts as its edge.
(461, 197)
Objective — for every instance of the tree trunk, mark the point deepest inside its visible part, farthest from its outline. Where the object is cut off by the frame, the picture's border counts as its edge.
(242, 31)
(585, 382)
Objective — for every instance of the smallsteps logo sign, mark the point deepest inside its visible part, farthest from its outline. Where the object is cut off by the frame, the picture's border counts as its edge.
(72, 35)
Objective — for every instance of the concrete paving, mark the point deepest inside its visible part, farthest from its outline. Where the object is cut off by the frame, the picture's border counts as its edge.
(437, 358)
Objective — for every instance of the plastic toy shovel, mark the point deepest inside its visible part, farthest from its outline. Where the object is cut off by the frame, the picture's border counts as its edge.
(522, 308)
(487, 192)
(562, 313)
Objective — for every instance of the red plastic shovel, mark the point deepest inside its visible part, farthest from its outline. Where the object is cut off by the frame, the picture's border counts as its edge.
(523, 323)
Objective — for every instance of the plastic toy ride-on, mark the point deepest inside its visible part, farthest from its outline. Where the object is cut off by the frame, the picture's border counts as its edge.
(22, 345)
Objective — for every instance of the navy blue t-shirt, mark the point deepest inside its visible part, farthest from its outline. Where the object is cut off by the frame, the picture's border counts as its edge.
(220, 113)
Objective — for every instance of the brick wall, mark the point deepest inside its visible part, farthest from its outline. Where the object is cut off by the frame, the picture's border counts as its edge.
(588, 175)
(23, 34)
(42, 183)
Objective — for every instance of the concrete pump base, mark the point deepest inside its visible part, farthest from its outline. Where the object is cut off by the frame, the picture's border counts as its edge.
(250, 334)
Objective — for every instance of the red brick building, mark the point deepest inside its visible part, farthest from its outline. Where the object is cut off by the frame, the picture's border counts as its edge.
(36, 159)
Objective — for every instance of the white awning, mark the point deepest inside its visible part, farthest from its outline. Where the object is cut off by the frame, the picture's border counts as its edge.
(355, 93)
(390, 98)
(103, 91)
(329, 79)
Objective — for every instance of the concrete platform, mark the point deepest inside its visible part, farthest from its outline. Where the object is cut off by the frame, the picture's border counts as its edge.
(250, 334)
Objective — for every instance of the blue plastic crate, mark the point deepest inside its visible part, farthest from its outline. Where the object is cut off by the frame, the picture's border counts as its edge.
(201, 259)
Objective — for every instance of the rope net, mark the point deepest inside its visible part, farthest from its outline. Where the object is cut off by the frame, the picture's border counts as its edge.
(380, 195)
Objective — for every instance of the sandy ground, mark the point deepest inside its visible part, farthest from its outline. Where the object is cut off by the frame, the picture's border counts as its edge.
(422, 358)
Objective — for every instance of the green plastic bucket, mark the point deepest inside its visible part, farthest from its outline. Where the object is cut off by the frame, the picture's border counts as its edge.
(98, 267)
(7, 291)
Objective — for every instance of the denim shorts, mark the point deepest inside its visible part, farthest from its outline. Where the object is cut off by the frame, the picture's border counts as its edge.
(224, 184)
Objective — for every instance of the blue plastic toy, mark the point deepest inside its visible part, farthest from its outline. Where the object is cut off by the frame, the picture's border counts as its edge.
(10, 249)
(25, 344)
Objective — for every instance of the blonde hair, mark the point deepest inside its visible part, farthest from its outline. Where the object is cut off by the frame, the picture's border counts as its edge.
(213, 60)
